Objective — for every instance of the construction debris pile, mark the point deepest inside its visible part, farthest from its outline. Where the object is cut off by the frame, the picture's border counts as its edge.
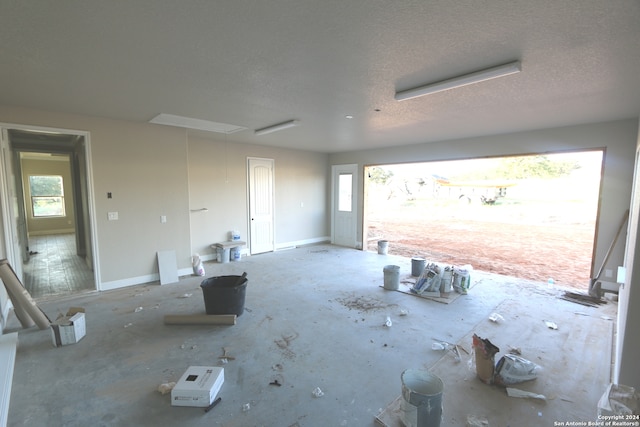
(437, 279)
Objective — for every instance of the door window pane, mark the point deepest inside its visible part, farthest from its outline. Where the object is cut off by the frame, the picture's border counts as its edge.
(344, 192)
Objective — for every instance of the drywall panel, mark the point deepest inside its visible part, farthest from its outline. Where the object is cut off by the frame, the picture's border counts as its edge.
(167, 267)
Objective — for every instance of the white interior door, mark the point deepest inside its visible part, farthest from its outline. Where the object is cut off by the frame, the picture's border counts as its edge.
(260, 205)
(344, 206)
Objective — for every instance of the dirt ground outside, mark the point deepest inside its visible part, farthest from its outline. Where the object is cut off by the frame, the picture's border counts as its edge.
(524, 236)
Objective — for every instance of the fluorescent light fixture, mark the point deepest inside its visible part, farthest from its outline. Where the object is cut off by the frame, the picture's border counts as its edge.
(276, 128)
(455, 82)
(197, 124)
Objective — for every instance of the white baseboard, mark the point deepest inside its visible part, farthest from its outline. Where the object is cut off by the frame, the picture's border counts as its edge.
(8, 344)
(140, 280)
(296, 243)
(132, 281)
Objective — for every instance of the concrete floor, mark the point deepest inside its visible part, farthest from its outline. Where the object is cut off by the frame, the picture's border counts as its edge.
(314, 318)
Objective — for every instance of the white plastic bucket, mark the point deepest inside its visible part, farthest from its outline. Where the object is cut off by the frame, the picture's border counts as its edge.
(421, 404)
(391, 277)
(383, 247)
(223, 255)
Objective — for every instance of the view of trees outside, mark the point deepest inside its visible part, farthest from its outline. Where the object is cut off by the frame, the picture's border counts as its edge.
(531, 217)
(47, 196)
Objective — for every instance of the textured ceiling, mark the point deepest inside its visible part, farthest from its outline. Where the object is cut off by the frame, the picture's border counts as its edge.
(257, 63)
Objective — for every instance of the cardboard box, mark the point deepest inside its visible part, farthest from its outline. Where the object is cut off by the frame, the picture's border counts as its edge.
(198, 386)
(485, 353)
(70, 328)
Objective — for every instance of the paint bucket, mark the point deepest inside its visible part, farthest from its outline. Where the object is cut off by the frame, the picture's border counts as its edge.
(421, 404)
(417, 266)
(383, 247)
(235, 254)
(391, 277)
(223, 255)
(224, 294)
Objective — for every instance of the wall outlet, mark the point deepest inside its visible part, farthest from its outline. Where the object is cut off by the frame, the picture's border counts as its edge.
(163, 219)
(113, 216)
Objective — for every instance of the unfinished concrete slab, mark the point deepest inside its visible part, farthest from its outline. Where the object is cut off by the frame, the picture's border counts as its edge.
(314, 319)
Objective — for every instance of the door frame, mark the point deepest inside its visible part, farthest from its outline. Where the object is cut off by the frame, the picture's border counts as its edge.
(8, 215)
(336, 170)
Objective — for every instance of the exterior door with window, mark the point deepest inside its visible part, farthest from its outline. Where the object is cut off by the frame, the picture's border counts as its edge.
(344, 212)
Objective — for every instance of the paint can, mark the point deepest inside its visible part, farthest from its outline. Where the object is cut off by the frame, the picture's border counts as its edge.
(417, 266)
(391, 277)
(223, 255)
(235, 254)
(421, 404)
(383, 247)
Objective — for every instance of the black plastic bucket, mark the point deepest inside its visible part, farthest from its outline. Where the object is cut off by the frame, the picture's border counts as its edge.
(224, 294)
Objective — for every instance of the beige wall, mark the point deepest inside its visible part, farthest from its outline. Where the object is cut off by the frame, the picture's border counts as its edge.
(49, 225)
(218, 182)
(153, 171)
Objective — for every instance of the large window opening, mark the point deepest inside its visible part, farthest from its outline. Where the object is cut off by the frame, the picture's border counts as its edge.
(530, 217)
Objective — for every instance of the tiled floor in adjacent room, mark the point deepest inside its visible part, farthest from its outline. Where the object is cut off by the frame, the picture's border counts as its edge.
(54, 268)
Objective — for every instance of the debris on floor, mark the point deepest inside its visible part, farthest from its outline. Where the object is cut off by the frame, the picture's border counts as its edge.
(225, 355)
(619, 399)
(165, 388)
(388, 323)
(485, 353)
(515, 392)
(473, 421)
(512, 369)
(496, 318)
(317, 392)
(550, 324)
(443, 345)
(583, 299)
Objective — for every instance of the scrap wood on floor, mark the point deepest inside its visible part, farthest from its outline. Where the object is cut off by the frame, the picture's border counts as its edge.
(583, 299)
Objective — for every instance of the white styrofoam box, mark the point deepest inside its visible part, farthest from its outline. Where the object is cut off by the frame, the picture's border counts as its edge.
(68, 329)
(198, 386)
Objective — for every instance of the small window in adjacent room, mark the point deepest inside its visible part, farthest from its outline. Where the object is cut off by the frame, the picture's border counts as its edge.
(47, 195)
